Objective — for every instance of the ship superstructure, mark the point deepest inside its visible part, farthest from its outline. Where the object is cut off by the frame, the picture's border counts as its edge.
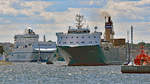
(80, 47)
(28, 48)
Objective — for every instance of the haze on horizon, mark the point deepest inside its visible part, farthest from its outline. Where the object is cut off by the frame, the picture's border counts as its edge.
(46, 17)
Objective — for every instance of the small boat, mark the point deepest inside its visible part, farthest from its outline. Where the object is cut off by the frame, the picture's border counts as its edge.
(141, 64)
(3, 60)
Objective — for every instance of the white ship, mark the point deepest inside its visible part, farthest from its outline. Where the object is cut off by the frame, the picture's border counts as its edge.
(27, 48)
(80, 46)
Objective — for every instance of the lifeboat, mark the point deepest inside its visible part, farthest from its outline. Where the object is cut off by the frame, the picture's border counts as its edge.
(142, 58)
(141, 64)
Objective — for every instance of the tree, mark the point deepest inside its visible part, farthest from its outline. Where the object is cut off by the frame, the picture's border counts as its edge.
(141, 43)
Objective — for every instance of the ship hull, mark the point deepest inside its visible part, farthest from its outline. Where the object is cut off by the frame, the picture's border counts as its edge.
(30, 56)
(82, 55)
(115, 56)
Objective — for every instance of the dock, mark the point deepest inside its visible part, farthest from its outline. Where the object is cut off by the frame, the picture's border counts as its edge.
(135, 69)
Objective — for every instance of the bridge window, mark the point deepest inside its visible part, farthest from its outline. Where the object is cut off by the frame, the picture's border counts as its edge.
(82, 42)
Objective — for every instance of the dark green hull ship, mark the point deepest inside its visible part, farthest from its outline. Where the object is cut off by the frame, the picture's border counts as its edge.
(82, 55)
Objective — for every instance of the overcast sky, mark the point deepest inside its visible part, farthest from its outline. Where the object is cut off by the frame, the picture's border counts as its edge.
(51, 16)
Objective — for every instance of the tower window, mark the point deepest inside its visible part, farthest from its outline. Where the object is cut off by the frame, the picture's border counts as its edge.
(94, 36)
(71, 42)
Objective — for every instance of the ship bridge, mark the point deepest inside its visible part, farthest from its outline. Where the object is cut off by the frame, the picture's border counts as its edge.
(45, 46)
(80, 30)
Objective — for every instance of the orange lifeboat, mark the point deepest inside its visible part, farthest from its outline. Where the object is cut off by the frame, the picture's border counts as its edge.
(142, 58)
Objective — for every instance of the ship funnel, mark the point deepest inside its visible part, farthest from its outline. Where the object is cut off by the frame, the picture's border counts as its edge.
(109, 19)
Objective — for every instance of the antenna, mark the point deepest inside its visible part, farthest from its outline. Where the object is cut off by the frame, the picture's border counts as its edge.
(79, 20)
(131, 43)
(95, 28)
(131, 36)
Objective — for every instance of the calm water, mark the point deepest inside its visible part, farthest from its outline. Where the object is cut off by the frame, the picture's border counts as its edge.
(33, 73)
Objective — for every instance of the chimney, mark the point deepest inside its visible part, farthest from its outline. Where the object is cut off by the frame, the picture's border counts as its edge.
(44, 39)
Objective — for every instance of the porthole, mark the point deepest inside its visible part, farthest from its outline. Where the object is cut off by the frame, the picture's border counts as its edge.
(64, 42)
(90, 41)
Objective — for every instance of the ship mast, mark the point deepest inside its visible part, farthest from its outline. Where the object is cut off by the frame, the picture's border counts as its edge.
(79, 19)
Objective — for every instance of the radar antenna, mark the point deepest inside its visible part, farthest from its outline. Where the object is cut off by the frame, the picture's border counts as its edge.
(95, 28)
(79, 19)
